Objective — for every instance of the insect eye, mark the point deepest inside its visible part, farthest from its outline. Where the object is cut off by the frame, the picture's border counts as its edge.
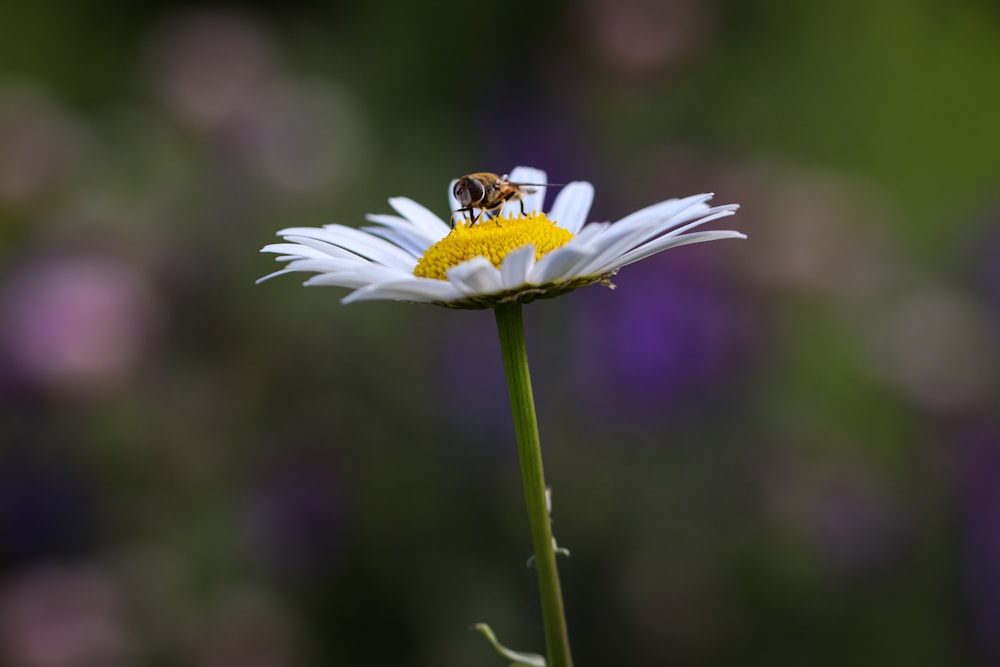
(468, 191)
(476, 191)
(465, 191)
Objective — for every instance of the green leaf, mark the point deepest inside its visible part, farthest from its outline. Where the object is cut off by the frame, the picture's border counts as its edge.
(526, 659)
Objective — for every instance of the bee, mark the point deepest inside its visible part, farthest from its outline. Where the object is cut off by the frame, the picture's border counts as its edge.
(488, 193)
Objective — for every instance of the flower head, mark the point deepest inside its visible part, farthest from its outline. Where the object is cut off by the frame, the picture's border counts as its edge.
(416, 256)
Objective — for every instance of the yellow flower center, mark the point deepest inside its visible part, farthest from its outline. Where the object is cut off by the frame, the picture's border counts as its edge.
(493, 239)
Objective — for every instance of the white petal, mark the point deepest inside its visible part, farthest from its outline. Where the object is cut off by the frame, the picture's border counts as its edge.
(453, 204)
(591, 232)
(342, 279)
(423, 290)
(572, 205)
(272, 275)
(403, 227)
(475, 276)
(662, 216)
(558, 265)
(357, 241)
(665, 208)
(328, 249)
(665, 243)
(423, 219)
(710, 214)
(534, 198)
(360, 277)
(297, 250)
(634, 230)
(517, 266)
(408, 239)
(328, 265)
(609, 247)
(583, 247)
(389, 220)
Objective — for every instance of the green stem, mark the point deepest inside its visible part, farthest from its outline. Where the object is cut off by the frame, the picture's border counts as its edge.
(515, 359)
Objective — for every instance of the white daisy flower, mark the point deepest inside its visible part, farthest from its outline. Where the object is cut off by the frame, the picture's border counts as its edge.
(416, 256)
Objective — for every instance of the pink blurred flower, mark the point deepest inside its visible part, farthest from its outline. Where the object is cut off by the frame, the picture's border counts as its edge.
(937, 345)
(248, 629)
(76, 325)
(857, 524)
(219, 74)
(643, 37)
(299, 136)
(206, 67)
(63, 617)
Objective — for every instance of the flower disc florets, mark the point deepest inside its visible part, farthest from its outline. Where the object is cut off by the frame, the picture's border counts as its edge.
(493, 239)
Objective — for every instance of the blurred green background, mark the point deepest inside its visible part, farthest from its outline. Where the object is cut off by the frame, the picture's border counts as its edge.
(784, 451)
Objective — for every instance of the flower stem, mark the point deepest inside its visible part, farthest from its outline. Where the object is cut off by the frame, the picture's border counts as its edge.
(510, 324)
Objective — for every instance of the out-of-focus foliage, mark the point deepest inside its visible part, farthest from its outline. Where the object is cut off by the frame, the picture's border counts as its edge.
(778, 452)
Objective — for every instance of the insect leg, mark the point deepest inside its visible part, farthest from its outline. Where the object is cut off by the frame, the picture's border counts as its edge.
(467, 211)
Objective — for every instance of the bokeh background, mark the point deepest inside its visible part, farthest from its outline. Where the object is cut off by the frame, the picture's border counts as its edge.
(784, 451)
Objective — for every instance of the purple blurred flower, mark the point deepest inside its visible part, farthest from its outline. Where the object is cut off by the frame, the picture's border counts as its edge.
(988, 255)
(47, 506)
(857, 524)
(516, 135)
(672, 333)
(977, 487)
(467, 359)
(293, 518)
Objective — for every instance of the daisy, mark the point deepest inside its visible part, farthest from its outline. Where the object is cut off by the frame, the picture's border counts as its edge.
(500, 263)
(416, 256)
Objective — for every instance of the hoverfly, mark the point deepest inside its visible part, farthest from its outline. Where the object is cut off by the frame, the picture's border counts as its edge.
(488, 193)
